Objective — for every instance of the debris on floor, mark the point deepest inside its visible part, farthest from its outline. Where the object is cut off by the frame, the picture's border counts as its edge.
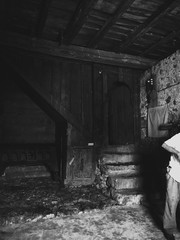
(39, 209)
(27, 198)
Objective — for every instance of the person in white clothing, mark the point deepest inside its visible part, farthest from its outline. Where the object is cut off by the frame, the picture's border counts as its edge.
(172, 145)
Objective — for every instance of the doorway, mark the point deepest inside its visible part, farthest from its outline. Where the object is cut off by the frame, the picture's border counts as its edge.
(120, 114)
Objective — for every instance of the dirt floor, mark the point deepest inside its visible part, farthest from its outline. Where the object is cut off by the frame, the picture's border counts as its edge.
(37, 208)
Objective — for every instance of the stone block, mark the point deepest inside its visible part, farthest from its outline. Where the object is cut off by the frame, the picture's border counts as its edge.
(119, 182)
(127, 170)
(130, 148)
(119, 158)
(127, 198)
(26, 171)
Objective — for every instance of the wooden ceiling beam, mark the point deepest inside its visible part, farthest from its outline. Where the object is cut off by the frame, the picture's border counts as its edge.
(163, 56)
(77, 21)
(43, 13)
(105, 28)
(169, 37)
(148, 24)
(50, 48)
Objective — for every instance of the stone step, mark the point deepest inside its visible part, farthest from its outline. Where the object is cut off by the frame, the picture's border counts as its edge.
(26, 171)
(119, 158)
(130, 148)
(129, 169)
(120, 166)
(120, 182)
(127, 197)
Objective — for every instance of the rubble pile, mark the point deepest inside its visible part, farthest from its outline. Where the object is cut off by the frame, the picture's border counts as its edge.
(29, 198)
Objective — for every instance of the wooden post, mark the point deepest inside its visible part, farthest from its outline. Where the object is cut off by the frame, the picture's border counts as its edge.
(61, 150)
(105, 109)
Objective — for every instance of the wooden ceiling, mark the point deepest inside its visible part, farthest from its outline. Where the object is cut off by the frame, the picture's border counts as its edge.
(144, 28)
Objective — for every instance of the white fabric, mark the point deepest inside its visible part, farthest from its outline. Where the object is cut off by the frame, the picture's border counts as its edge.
(174, 164)
(174, 142)
(156, 117)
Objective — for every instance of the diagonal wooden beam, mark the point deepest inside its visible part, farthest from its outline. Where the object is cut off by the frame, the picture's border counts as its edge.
(148, 24)
(77, 20)
(43, 13)
(119, 12)
(56, 112)
(161, 41)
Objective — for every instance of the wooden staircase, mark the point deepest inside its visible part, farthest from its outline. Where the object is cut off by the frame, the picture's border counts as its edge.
(121, 174)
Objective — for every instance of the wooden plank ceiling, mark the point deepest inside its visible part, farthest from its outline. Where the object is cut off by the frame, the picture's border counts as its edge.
(142, 28)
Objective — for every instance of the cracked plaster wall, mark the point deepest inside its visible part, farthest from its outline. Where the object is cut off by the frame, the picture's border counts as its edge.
(167, 88)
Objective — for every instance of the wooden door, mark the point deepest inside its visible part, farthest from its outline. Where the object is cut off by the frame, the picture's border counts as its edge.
(120, 115)
(80, 166)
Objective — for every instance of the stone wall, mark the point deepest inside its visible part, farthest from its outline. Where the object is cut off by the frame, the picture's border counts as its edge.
(166, 74)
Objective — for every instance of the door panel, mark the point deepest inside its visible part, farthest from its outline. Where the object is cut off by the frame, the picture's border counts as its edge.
(120, 115)
(80, 167)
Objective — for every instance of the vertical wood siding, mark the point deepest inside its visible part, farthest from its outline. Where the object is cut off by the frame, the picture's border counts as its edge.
(81, 88)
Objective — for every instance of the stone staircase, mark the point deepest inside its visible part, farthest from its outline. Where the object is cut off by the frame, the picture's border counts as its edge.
(120, 174)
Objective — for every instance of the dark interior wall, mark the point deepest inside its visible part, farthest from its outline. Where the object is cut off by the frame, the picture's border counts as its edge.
(22, 121)
(166, 92)
(27, 133)
(53, 90)
(63, 84)
(76, 97)
(104, 78)
(79, 88)
(32, 95)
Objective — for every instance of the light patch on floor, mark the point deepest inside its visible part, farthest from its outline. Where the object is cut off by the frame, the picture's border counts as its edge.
(114, 222)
